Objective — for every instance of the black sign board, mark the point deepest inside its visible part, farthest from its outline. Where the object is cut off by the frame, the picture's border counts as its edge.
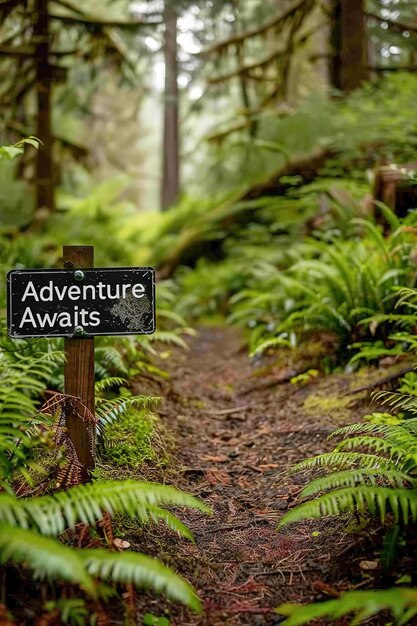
(87, 302)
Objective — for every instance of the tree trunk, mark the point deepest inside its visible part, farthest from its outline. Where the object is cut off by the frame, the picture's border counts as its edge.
(350, 61)
(44, 162)
(170, 172)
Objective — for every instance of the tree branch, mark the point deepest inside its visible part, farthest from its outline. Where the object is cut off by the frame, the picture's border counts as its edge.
(68, 5)
(377, 68)
(306, 166)
(219, 136)
(8, 4)
(215, 80)
(241, 37)
(10, 51)
(190, 238)
(246, 69)
(398, 26)
(90, 20)
(12, 35)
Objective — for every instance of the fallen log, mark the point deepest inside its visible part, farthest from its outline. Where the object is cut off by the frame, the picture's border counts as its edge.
(194, 240)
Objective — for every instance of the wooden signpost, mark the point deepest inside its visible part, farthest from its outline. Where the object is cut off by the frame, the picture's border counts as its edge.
(80, 302)
(79, 380)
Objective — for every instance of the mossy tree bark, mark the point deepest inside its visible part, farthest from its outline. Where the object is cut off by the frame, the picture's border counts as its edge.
(44, 163)
(170, 169)
(349, 67)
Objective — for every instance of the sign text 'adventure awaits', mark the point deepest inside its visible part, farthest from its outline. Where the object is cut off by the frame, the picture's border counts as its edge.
(88, 302)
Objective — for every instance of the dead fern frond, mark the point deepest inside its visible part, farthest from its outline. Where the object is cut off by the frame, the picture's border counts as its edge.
(107, 525)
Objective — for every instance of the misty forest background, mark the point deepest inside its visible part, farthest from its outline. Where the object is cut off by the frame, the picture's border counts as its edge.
(262, 156)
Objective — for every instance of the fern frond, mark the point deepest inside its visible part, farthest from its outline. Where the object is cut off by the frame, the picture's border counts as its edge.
(352, 477)
(48, 557)
(364, 604)
(108, 411)
(45, 556)
(108, 383)
(22, 380)
(171, 521)
(377, 444)
(142, 571)
(397, 401)
(390, 546)
(168, 337)
(367, 427)
(363, 499)
(344, 459)
(53, 514)
(274, 342)
(173, 316)
(109, 358)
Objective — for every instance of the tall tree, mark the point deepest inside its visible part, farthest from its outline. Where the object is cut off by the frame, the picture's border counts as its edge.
(350, 45)
(40, 40)
(44, 163)
(171, 160)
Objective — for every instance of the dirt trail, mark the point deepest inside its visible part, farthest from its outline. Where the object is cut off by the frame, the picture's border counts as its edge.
(233, 448)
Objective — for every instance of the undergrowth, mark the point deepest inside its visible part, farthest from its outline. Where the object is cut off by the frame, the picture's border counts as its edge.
(131, 440)
(288, 258)
(53, 527)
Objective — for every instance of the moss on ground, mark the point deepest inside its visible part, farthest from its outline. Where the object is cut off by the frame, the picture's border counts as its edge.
(134, 439)
(334, 405)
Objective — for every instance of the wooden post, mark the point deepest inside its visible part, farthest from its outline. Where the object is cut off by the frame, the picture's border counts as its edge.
(79, 373)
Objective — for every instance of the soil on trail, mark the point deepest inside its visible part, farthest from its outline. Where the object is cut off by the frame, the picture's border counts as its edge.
(234, 444)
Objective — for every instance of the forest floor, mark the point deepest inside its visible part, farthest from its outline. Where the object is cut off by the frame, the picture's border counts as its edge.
(236, 431)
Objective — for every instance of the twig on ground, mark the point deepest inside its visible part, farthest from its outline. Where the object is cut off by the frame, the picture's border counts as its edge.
(269, 384)
(382, 381)
(236, 409)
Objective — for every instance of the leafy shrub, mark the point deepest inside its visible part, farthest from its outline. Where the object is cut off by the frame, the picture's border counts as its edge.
(35, 531)
(372, 471)
(344, 287)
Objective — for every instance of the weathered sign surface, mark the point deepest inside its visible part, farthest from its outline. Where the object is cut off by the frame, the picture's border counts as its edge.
(88, 302)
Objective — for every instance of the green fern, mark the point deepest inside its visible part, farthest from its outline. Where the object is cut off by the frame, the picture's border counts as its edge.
(22, 380)
(353, 477)
(376, 444)
(344, 459)
(51, 515)
(364, 500)
(350, 288)
(372, 427)
(393, 538)
(402, 603)
(109, 382)
(47, 557)
(109, 360)
(397, 401)
(109, 410)
(369, 472)
(141, 571)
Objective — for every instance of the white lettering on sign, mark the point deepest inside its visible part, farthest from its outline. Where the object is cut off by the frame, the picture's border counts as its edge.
(64, 319)
(83, 317)
(138, 287)
(75, 292)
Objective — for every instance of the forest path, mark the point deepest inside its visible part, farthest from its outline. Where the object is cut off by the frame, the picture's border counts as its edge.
(233, 446)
